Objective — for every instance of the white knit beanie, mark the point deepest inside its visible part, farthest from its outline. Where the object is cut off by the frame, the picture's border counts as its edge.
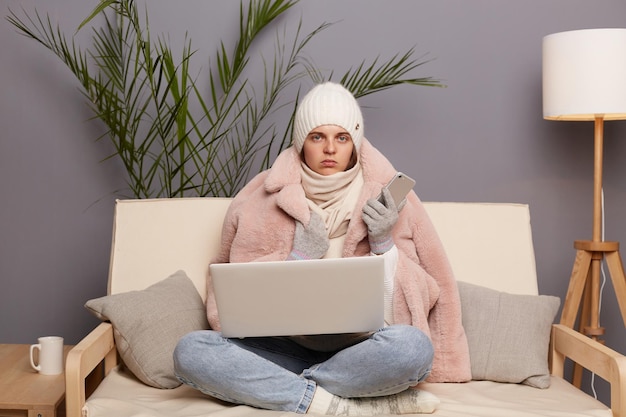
(328, 104)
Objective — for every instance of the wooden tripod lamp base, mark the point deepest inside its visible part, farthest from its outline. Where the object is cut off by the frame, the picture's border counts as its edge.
(586, 275)
(585, 280)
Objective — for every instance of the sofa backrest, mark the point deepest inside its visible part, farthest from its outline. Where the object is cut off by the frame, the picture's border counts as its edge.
(488, 244)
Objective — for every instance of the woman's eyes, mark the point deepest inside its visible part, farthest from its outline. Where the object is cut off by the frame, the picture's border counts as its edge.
(340, 139)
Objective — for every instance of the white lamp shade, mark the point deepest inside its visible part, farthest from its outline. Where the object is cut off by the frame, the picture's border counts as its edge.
(584, 75)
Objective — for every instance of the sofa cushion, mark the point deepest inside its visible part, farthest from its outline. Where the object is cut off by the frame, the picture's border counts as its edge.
(147, 325)
(508, 334)
(122, 395)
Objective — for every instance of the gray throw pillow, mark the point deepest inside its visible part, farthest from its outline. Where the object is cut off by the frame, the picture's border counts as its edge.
(508, 334)
(147, 325)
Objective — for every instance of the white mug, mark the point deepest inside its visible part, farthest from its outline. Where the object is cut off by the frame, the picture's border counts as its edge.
(50, 355)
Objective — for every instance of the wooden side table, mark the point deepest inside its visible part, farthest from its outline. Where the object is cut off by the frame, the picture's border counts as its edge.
(23, 392)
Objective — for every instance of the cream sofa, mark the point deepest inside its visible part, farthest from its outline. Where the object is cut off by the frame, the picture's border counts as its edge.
(489, 245)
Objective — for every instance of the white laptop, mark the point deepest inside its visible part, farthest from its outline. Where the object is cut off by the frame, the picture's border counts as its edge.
(288, 298)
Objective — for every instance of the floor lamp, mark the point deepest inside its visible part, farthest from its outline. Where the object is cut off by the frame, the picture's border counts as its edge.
(584, 79)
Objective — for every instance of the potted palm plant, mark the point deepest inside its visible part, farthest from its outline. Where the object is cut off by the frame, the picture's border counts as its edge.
(174, 137)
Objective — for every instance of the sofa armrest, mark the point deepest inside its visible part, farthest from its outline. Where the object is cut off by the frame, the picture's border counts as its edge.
(97, 348)
(594, 356)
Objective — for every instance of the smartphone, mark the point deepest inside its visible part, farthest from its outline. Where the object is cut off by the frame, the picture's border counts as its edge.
(400, 185)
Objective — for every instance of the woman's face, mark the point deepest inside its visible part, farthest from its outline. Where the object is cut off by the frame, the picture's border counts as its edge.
(328, 149)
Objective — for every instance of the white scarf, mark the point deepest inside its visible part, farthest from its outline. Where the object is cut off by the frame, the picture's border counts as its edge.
(333, 197)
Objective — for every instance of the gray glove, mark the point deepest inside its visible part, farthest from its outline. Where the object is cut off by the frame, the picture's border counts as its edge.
(311, 241)
(380, 219)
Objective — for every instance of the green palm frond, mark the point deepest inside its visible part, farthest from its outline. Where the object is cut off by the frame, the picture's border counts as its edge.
(364, 80)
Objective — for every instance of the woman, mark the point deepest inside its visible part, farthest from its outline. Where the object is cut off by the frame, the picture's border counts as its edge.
(318, 200)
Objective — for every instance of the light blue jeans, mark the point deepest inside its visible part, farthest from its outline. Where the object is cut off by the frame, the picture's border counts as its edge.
(276, 373)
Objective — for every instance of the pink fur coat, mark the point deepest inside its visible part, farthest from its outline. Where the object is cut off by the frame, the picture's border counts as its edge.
(260, 225)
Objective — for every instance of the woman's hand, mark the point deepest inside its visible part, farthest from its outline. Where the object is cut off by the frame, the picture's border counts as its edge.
(380, 219)
(311, 241)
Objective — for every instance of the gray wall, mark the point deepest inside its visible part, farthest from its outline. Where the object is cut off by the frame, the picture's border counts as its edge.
(480, 139)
